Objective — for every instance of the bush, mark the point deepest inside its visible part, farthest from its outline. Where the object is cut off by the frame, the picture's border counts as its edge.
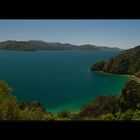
(101, 105)
(98, 66)
(136, 115)
(130, 96)
(64, 115)
(128, 115)
(8, 104)
(106, 117)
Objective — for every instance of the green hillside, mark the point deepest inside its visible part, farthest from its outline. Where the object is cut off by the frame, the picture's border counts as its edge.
(128, 62)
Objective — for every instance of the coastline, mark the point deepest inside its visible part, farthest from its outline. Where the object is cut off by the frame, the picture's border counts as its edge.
(131, 77)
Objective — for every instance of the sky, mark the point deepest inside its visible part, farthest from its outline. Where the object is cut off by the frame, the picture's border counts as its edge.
(113, 33)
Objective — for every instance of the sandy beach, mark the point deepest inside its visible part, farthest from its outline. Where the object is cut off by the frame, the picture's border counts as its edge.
(133, 77)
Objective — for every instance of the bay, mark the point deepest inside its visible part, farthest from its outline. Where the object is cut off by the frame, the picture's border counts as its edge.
(61, 80)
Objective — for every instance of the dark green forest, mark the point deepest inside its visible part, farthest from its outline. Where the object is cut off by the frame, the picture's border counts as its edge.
(128, 62)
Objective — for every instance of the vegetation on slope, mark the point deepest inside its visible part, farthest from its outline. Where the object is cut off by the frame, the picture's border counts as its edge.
(125, 106)
(128, 62)
(115, 107)
(11, 109)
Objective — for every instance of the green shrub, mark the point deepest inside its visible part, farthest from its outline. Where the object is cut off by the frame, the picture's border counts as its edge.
(101, 105)
(8, 103)
(106, 117)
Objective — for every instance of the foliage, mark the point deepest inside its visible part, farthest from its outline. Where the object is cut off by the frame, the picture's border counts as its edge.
(64, 114)
(29, 114)
(11, 109)
(125, 106)
(108, 116)
(31, 105)
(128, 62)
(101, 105)
(8, 104)
(128, 115)
(98, 66)
(136, 115)
(130, 96)
(121, 107)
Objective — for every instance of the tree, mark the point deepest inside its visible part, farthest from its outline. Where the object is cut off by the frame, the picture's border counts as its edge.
(130, 96)
(101, 105)
(136, 115)
(98, 66)
(128, 115)
(106, 117)
(8, 103)
(64, 115)
(29, 114)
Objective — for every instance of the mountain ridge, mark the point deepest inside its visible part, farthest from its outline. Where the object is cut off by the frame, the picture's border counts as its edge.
(33, 45)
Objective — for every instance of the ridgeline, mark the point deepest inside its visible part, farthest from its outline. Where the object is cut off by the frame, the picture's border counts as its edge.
(34, 45)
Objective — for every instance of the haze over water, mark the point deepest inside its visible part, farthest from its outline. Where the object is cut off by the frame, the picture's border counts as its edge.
(61, 80)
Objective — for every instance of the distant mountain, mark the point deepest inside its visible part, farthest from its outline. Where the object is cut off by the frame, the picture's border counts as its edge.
(34, 45)
(128, 62)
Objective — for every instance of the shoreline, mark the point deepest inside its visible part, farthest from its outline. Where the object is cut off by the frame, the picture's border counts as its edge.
(131, 77)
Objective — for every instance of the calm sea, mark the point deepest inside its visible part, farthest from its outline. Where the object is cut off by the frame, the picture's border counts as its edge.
(61, 80)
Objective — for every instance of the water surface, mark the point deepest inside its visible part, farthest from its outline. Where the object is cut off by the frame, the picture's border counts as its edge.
(61, 80)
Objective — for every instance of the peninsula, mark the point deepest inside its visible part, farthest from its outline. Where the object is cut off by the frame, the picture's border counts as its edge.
(128, 63)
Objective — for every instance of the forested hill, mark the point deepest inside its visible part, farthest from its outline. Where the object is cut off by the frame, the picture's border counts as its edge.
(128, 62)
(34, 45)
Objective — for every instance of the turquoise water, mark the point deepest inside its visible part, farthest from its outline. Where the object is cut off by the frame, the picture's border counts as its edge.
(61, 80)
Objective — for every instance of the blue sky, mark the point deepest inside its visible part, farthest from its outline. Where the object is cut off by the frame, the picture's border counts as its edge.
(113, 33)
